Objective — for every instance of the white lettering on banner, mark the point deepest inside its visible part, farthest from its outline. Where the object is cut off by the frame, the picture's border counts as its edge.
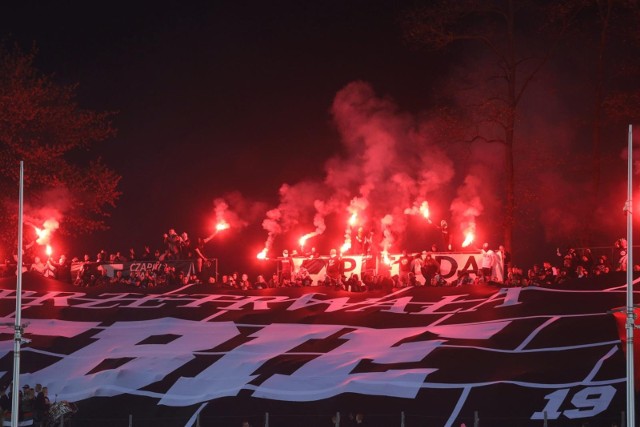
(239, 302)
(110, 297)
(440, 305)
(144, 266)
(141, 360)
(150, 363)
(337, 365)
(60, 299)
(334, 304)
(197, 303)
(255, 302)
(57, 328)
(351, 265)
(230, 374)
(510, 295)
(396, 305)
(450, 263)
(143, 300)
(504, 297)
(48, 327)
(136, 266)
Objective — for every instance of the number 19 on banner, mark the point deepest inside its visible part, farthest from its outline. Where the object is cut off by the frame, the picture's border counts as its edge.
(585, 403)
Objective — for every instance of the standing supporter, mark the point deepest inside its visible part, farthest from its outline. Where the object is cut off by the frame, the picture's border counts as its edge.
(63, 269)
(172, 242)
(430, 268)
(548, 274)
(562, 277)
(146, 254)
(38, 266)
(603, 266)
(488, 262)
(416, 269)
(186, 251)
(581, 273)
(260, 283)
(102, 256)
(234, 280)
(570, 259)
(335, 269)
(198, 252)
(367, 247)
(404, 268)
(303, 278)
(354, 284)
(506, 258)
(446, 237)
(586, 260)
(620, 255)
(244, 283)
(497, 271)
(208, 272)
(359, 239)
(463, 278)
(118, 278)
(274, 282)
(285, 266)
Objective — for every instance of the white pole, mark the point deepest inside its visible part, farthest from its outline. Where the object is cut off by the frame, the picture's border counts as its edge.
(15, 389)
(630, 314)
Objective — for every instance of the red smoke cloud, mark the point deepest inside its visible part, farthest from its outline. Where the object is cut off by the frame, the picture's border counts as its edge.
(390, 163)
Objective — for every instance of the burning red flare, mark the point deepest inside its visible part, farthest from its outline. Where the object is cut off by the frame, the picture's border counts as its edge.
(353, 219)
(424, 210)
(222, 225)
(345, 246)
(263, 254)
(468, 238)
(385, 258)
(49, 250)
(304, 239)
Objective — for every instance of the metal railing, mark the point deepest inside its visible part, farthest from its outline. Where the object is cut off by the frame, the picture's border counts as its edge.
(338, 419)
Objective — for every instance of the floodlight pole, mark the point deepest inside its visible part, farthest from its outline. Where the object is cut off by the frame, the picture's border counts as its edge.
(630, 324)
(17, 339)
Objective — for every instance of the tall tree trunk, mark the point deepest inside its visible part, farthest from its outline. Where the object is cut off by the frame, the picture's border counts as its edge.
(604, 14)
(511, 67)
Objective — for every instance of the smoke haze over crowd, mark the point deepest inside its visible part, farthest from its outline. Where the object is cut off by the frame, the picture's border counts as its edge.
(287, 120)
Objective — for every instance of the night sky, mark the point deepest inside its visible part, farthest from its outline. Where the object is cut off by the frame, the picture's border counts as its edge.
(236, 96)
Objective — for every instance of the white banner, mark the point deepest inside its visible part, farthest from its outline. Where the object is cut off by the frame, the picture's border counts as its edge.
(450, 264)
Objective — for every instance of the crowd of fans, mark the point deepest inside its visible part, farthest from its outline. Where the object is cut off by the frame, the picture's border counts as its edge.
(158, 268)
(33, 404)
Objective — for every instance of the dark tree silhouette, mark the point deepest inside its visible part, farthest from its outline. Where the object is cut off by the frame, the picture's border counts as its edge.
(42, 124)
(499, 29)
(604, 33)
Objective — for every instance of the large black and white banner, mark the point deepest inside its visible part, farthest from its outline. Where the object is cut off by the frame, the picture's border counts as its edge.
(513, 355)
